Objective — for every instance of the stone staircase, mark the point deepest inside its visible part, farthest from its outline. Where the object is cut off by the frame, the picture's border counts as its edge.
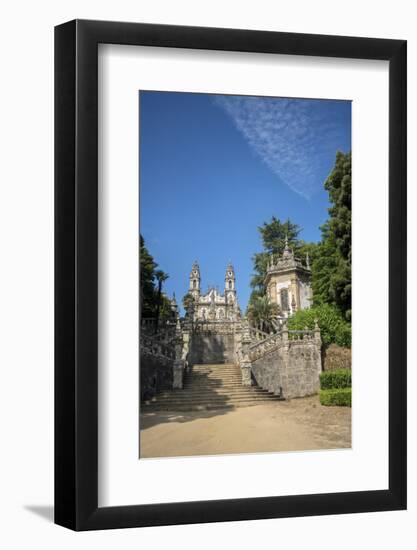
(209, 387)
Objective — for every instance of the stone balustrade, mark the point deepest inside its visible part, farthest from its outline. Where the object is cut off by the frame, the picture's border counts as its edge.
(287, 362)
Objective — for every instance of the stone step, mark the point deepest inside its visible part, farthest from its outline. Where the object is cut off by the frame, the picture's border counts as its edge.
(214, 388)
(215, 384)
(208, 371)
(209, 387)
(200, 394)
(196, 401)
(212, 382)
(213, 369)
(208, 366)
(222, 368)
(212, 376)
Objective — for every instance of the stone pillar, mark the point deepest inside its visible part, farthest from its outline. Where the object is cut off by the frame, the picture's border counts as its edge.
(246, 370)
(285, 351)
(178, 367)
(317, 340)
(317, 335)
(244, 361)
(178, 371)
(237, 335)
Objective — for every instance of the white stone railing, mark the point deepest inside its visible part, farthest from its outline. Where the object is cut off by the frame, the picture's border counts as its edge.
(301, 335)
(257, 349)
(257, 334)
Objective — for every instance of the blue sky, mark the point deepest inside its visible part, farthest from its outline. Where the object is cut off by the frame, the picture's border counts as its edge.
(213, 168)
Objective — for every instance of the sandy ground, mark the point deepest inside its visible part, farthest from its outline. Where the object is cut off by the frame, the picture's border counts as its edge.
(299, 424)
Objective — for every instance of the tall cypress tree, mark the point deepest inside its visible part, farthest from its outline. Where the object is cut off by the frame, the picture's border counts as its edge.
(152, 302)
(332, 265)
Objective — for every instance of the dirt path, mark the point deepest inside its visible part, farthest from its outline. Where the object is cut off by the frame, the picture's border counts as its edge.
(299, 424)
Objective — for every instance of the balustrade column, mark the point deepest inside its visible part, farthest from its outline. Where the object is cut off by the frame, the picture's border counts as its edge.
(245, 362)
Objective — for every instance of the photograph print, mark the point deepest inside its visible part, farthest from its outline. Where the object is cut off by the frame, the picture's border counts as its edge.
(245, 274)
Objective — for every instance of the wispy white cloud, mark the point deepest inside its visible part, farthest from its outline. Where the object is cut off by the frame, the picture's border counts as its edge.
(290, 136)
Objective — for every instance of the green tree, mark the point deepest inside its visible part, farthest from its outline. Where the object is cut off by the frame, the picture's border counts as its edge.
(161, 277)
(153, 303)
(147, 275)
(273, 236)
(275, 233)
(333, 326)
(262, 313)
(260, 264)
(332, 263)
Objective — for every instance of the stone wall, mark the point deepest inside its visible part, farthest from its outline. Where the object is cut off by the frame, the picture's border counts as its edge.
(267, 372)
(290, 369)
(211, 348)
(156, 373)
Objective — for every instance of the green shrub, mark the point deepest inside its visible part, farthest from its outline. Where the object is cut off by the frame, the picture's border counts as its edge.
(336, 379)
(333, 327)
(341, 397)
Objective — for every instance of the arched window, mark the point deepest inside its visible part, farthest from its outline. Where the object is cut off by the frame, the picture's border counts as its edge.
(230, 284)
(284, 300)
(194, 284)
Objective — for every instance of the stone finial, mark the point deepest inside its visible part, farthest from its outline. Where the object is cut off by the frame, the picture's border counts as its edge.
(317, 334)
(307, 261)
(287, 251)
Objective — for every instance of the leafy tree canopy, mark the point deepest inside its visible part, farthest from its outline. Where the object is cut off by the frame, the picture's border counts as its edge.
(333, 327)
(262, 313)
(275, 232)
(273, 236)
(332, 264)
(154, 304)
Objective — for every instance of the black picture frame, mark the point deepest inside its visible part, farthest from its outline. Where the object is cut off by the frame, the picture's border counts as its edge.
(76, 272)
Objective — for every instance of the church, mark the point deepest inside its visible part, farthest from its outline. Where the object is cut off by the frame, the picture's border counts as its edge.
(214, 306)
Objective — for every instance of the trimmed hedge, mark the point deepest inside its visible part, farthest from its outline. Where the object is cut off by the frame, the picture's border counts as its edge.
(341, 397)
(335, 379)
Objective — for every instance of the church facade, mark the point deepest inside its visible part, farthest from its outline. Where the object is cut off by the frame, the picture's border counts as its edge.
(213, 305)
